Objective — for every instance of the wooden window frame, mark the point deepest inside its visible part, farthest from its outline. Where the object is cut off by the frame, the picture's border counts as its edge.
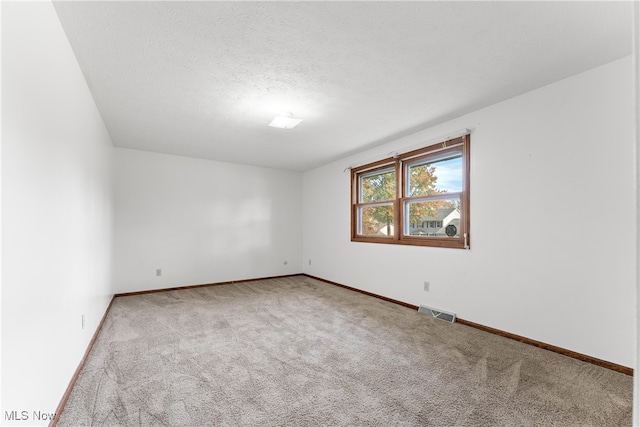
(400, 163)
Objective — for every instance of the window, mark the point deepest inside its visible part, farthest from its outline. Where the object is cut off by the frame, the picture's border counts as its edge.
(416, 198)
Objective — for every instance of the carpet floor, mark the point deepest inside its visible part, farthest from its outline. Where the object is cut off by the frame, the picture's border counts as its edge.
(299, 352)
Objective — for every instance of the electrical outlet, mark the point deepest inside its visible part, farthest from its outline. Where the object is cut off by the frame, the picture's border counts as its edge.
(83, 321)
(158, 272)
(426, 286)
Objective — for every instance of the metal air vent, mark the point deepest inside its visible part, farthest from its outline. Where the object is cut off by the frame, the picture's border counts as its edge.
(437, 314)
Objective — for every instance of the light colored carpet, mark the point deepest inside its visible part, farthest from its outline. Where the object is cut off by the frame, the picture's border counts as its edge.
(300, 352)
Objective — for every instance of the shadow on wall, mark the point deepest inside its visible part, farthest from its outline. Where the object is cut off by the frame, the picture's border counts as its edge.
(238, 228)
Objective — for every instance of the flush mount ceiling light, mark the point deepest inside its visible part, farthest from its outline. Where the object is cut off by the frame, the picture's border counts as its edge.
(285, 121)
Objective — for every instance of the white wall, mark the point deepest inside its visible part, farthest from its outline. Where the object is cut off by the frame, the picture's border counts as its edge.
(202, 221)
(552, 217)
(636, 74)
(56, 211)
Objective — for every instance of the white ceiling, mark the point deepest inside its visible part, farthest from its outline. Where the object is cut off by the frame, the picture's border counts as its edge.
(204, 79)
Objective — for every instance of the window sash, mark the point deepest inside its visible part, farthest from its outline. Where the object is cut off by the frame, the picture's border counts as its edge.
(376, 172)
(429, 159)
(434, 223)
(381, 232)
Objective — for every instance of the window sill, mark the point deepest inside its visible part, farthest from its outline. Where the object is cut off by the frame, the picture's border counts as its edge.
(435, 242)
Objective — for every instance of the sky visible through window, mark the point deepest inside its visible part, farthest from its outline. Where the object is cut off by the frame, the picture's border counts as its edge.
(449, 173)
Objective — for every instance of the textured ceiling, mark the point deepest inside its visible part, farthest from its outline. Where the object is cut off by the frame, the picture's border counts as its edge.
(204, 79)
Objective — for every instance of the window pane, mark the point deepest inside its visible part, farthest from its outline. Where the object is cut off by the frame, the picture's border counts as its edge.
(439, 218)
(375, 220)
(440, 176)
(378, 187)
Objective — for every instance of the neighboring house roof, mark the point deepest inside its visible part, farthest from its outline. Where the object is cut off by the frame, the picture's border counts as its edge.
(440, 215)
